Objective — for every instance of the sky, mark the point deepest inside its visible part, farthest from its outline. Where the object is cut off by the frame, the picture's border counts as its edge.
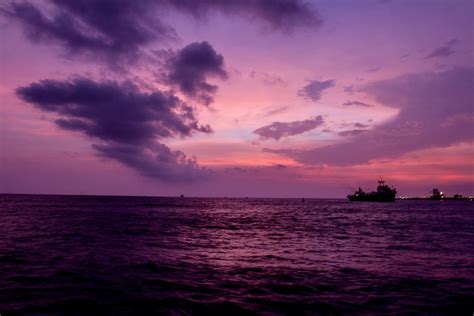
(257, 98)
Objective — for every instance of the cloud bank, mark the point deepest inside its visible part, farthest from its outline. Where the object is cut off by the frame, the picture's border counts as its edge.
(436, 110)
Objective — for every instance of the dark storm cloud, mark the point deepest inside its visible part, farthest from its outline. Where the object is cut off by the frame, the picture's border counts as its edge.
(443, 51)
(116, 31)
(356, 103)
(126, 120)
(189, 68)
(436, 110)
(314, 89)
(277, 130)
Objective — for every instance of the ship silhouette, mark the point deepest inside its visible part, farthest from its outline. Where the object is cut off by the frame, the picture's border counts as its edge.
(384, 193)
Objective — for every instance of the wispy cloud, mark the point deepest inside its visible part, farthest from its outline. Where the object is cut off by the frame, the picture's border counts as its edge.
(356, 103)
(443, 51)
(375, 69)
(268, 79)
(277, 130)
(352, 132)
(360, 125)
(349, 89)
(268, 112)
(314, 89)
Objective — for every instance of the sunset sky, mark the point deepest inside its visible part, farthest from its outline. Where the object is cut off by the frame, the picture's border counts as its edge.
(236, 98)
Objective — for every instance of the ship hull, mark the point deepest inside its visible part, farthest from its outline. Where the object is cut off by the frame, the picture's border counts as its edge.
(372, 198)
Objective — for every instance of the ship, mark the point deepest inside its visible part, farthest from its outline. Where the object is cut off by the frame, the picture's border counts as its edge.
(437, 195)
(384, 193)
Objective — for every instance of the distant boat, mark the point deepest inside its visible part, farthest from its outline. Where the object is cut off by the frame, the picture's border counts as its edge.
(383, 194)
(437, 195)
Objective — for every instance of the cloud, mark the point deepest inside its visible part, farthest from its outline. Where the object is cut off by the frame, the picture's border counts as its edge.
(126, 121)
(443, 51)
(277, 130)
(117, 31)
(353, 132)
(277, 15)
(313, 91)
(271, 111)
(356, 103)
(349, 89)
(114, 31)
(435, 110)
(268, 79)
(360, 125)
(375, 69)
(189, 68)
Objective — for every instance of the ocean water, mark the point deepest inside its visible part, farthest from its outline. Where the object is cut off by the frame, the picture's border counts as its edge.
(86, 255)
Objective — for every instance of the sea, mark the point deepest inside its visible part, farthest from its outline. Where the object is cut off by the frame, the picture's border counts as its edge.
(111, 255)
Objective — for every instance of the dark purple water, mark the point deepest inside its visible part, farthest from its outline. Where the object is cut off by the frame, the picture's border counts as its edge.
(134, 255)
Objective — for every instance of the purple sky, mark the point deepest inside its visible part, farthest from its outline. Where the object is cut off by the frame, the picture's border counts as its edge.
(283, 98)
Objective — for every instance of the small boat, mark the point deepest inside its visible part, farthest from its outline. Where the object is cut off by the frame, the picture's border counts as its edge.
(384, 193)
